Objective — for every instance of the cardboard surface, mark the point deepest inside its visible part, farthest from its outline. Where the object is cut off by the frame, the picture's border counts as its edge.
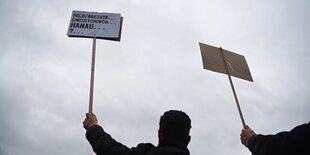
(212, 59)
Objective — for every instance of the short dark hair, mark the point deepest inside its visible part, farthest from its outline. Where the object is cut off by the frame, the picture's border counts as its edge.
(175, 124)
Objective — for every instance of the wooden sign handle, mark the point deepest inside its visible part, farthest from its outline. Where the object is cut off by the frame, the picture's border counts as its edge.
(92, 77)
(232, 87)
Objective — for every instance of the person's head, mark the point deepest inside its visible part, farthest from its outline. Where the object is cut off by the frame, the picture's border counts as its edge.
(175, 125)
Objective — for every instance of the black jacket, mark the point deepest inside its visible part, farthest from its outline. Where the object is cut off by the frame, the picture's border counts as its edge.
(103, 144)
(294, 142)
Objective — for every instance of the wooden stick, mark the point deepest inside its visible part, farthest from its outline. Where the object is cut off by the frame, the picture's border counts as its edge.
(232, 87)
(92, 77)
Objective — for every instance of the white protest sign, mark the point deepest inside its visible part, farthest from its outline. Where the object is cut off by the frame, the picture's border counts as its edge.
(95, 25)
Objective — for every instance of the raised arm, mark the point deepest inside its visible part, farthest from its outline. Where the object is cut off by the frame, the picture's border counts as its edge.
(103, 144)
(296, 141)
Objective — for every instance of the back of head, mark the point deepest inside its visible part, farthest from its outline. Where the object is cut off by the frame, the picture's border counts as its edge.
(175, 124)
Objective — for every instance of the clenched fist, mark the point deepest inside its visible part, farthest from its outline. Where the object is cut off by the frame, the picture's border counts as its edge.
(90, 120)
(246, 133)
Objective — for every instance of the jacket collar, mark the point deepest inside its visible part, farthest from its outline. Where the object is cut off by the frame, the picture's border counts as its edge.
(174, 143)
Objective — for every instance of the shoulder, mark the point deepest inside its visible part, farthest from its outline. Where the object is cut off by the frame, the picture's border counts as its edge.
(167, 150)
(143, 148)
(146, 146)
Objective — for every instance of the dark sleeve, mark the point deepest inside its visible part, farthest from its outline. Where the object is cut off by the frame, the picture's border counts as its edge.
(103, 144)
(296, 141)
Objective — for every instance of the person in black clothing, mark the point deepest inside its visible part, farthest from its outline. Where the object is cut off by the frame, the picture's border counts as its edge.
(173, 137)
(294, 142)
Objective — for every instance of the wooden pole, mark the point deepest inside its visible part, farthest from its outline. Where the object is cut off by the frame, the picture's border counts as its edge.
(92, 77)
(232, 87)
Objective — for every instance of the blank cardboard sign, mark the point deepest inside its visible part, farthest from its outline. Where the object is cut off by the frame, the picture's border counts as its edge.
(213, 59)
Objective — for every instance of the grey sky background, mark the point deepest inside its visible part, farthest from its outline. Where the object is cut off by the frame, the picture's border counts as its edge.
(44, 80)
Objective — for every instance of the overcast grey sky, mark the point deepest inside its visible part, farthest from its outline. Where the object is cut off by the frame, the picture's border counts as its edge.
(44, 80)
